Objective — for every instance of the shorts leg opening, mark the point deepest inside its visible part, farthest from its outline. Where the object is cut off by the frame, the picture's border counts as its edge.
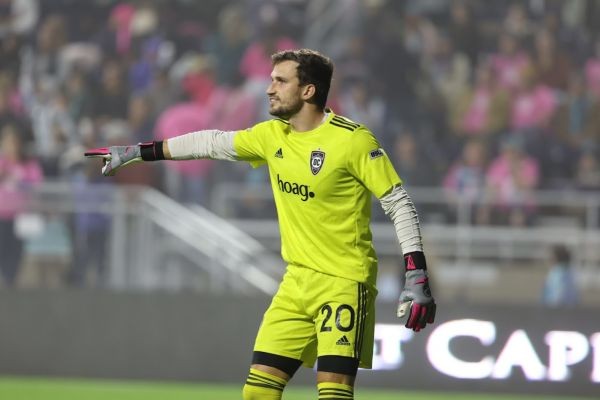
(338, 364)
(286, 364)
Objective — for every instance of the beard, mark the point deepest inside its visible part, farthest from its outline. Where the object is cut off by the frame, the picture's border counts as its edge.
(286, 111)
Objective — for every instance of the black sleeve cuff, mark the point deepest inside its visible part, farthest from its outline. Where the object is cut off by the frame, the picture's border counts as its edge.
(152, 151)
(415, 260)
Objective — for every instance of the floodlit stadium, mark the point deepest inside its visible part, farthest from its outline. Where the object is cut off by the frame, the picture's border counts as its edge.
(152, 283)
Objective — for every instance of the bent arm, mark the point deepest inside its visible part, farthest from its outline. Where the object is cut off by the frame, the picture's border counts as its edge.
(214, 144)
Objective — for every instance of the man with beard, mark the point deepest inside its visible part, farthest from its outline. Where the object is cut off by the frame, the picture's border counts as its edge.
(323, 168)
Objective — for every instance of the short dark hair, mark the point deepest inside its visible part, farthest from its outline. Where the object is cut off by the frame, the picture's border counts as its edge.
(313, 68)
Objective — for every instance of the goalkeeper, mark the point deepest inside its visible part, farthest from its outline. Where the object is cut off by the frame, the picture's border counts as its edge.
(323, 168)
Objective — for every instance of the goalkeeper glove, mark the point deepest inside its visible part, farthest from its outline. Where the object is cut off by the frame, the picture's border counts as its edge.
(117, 157)
(416, 300)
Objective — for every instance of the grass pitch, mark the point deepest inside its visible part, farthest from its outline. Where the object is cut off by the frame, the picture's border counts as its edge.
(13, 388)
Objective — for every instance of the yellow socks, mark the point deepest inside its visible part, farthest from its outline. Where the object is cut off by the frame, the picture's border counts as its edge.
(264, 386)
(337, 391)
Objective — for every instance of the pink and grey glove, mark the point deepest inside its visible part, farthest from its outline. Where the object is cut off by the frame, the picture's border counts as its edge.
(117, 157)
(416, 299)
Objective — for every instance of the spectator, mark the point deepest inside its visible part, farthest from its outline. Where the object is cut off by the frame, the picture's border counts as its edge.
(10, 59)
(151, 51)
(18, 174)
(397, 82)
(162, 91)
(232, 106)
(41, 63)
(591, 133)
(11, 105)
(354, 63)
(78, 95)
(140, 118)
(575, 128)
(91, 229)
(185, 181)
(142, 67)
(560, 288)
(447, 70)
(53, 128)
(574, 117)
(464, 31)
(587, 172)
(510, 180)
(198, 78)
(465, 181)
(509, 62)
(18, 17)
(229, 44)
(481, 110)
(112, 96)
(360, 104)
(115, 37)
(517, 21)
(409, 161)
(550, 62)
(533, 105)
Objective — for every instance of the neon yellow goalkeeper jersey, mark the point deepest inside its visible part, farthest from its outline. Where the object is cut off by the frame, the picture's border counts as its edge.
(322, 182)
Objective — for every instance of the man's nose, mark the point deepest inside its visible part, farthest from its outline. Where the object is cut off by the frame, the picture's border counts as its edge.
(270, 89)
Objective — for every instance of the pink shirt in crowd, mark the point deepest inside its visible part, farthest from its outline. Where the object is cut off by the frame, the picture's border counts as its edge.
(15, 180)
(503, 179)
(226, 109)
(184, 118)
(534, 108)
(509, 69)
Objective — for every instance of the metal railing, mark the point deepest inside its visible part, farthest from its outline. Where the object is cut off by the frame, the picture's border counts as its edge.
(154, 242)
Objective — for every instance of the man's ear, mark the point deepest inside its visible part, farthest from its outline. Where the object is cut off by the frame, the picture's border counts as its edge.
(308, 91)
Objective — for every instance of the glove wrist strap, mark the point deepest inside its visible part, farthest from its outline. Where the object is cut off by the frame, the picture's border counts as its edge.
(152, 151)
(415, 260)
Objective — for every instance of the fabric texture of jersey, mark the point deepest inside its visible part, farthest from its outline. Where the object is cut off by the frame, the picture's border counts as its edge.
(322, 182)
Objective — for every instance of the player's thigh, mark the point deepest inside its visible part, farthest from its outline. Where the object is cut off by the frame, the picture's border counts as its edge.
(334, 377)
(286, 329)
(344, 322)
(272, 370)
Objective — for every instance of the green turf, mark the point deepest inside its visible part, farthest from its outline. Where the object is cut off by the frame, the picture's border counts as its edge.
(72, 389)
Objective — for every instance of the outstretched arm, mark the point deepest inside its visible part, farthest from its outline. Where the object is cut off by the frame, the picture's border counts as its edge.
(415, 298)
(212, 144)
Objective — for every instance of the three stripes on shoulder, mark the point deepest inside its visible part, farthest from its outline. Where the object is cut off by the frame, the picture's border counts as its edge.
(344, 123)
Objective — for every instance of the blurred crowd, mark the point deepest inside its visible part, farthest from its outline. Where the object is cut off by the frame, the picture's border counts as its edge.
(489, 100)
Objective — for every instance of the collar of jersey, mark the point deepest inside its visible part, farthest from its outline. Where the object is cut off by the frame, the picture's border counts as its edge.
(329, 114)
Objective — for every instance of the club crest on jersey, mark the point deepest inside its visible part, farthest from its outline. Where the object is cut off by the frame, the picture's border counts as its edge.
(317, 157)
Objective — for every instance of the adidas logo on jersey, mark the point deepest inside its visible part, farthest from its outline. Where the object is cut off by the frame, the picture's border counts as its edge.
(343, 341)
(279, 153)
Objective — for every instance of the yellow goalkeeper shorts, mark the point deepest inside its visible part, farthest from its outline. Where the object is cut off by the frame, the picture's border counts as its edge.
(314, 314)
